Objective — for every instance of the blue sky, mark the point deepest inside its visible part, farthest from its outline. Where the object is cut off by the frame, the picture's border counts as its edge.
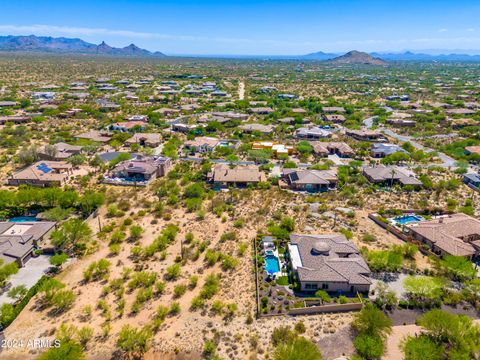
(265, 27)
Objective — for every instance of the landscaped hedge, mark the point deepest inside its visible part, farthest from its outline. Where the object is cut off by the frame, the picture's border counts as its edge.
(17, 309)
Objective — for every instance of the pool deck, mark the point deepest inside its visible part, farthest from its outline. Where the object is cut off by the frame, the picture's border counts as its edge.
(395, 221)
(276, 254)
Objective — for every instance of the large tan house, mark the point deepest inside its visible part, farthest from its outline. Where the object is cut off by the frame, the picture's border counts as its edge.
(59, 151)
(310, 180)
(145, 139)
(139, 170)
(456, 234)
(43, 174)
(222, 176)
(18, 240)
(328, 262)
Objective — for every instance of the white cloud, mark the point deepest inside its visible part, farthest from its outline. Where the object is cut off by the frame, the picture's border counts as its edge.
(83, 31)
(442, 30)
(278, 46)
(53, 30)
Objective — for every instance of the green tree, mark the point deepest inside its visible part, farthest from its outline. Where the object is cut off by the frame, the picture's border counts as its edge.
(395, 158)
(17, 292)
(28, 155)
(373, 322)
(71, 233)
(471, 291)
(369, 346)
(69, 350)
(7, 314)
(304, 148)
(422, 348)
(6, 271)
(299, 348)
(90, 201)
(424, 288)
(134, 342)
(58, 259)
(457, 267)
(77, 160)
(447, 327)
(194, 191)
(97, 270)
(173, 272)
(282, 335)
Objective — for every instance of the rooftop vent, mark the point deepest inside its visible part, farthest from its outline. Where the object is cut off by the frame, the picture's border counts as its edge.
(321, 248)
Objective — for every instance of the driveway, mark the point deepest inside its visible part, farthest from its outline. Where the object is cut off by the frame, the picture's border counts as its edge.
(368, 123)
(395, 284)
(448, 161)
(276, 171)
(158, 150)
(28, 275)
(337, 160)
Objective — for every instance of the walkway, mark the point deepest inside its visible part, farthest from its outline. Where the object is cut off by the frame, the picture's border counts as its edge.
(28, 275)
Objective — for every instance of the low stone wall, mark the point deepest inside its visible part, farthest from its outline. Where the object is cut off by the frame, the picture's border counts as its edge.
(400, 234)
(388, 227)
(112, 182)
(326, 309)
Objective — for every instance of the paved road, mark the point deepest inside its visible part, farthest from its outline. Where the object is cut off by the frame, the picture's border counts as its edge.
(222, 161)
(217, 161)
(448, 161)
(158, 150)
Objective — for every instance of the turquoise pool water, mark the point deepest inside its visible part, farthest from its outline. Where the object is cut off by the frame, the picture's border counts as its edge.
(271, 264)
(23, 219)
(402, 220)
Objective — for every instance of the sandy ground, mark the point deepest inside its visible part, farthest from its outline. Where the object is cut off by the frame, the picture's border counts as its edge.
(393, 351)
(184, 333)
(385, 239)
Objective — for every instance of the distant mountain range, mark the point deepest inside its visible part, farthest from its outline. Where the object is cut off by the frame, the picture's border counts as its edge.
(63, 45)
(408, 55)
(402, 56)
(357, 57)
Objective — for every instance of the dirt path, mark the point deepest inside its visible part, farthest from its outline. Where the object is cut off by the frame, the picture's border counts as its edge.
(393, 351)
(241, 90)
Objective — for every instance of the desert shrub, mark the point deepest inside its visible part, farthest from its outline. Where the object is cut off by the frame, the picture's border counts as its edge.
(323, 295)
(134, 341)
(173, 272)
(142, 279)
(179, 290)
(97, 270)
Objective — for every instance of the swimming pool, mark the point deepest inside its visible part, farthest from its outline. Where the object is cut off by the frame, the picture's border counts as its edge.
(271, 264)
(402, 220)
(269, 252)
(22, 219)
